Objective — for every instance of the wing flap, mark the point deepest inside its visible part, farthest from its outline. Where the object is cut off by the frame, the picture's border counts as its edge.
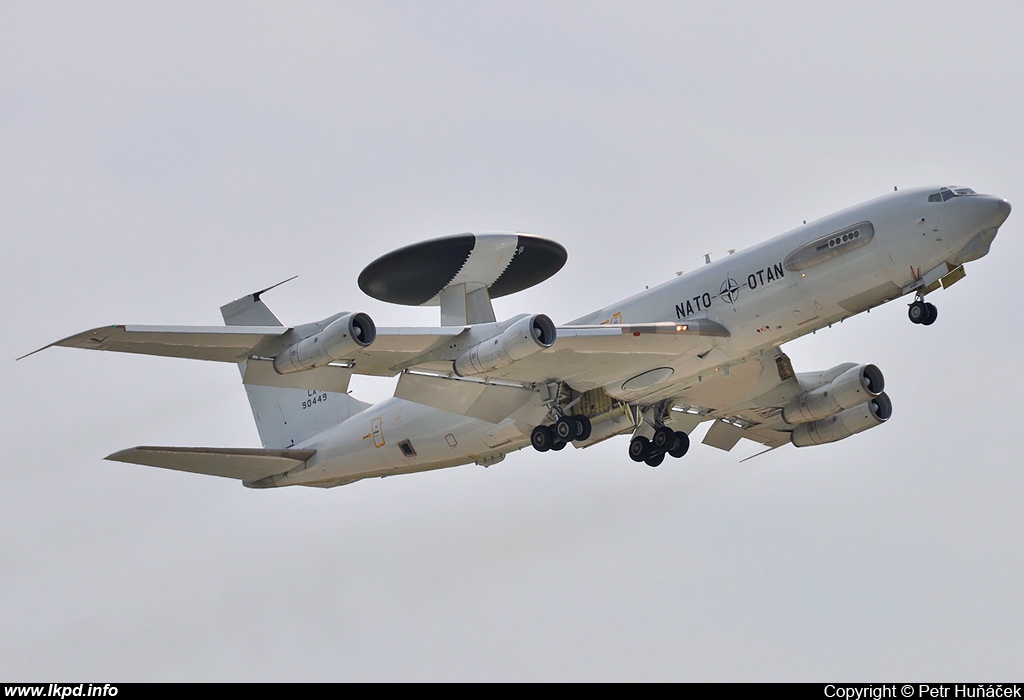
(488, 402)
(767, 437)
(333, 378)
(723, 435)
(247, 464)
(395, 349)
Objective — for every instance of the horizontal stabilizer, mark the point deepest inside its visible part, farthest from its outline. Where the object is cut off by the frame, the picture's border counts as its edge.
(215, 343)
(247, 464)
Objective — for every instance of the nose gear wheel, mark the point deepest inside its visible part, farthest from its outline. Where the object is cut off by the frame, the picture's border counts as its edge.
(923, 312)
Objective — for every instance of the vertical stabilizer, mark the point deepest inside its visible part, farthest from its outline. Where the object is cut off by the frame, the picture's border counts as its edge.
(286, 417)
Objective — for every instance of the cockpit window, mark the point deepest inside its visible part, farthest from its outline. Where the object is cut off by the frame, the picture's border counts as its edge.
(948, 193)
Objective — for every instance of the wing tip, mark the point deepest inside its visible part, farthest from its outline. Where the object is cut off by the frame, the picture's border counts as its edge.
(34, 352)
(122, 455)
(76, 340)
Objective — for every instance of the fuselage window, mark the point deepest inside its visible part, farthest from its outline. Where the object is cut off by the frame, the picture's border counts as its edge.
(828, 247)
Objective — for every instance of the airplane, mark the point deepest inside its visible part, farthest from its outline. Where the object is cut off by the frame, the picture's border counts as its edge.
(705, 346)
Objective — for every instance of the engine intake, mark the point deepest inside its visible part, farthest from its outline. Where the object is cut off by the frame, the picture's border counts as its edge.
(851, 388)
(849, 422)
(338, 341)
(527, 336)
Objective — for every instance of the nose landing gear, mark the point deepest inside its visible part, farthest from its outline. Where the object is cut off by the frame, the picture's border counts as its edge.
(923, 312)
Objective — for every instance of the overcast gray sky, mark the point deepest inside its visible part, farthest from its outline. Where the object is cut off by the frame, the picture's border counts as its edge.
(160, 159)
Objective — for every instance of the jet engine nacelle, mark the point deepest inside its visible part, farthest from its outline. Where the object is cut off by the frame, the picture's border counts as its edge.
(852, 388)
(849, 422)
(527, 336)
(337, 341)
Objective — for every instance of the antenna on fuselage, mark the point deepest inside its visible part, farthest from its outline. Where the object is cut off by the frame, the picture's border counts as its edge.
(707, 258)
(462, 273)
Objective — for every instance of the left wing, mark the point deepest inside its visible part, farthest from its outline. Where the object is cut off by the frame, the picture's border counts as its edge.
(587, 356)
(216, 343)
(583, 356)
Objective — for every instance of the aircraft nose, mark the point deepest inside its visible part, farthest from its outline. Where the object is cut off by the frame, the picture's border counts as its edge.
(1000, 209)
(1004, 209)
(994, 210)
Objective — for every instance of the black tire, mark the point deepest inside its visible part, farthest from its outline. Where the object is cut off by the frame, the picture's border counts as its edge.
(542, 438)
(583, 428)
(680, 445)
(663, 438)
(918, 312)
(932, 314)
(639, 448)
(565, 429)
(655, 459)
(559, 444)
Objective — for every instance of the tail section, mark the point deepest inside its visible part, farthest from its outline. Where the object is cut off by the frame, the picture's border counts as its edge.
(286, 417)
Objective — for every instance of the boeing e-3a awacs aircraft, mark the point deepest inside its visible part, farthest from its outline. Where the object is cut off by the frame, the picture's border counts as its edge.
(704, 346)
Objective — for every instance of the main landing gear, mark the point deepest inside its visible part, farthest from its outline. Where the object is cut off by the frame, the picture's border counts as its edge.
(563, 431)
(665, 441)
(923, 312)
(651, 451)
